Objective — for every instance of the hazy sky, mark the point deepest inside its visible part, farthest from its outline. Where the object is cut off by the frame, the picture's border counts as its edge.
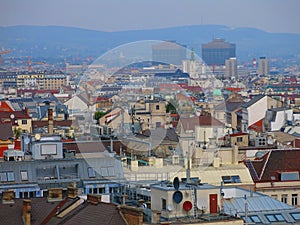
(113, 15)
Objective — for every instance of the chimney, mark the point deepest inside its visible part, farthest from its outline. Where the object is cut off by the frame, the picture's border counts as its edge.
(155, 216)
(94, 199)
(54, 194)
(50, 121)
(26, 215)
(72, 191)
(8, 197)
(27, 111)
(235, 154)
(131, 214)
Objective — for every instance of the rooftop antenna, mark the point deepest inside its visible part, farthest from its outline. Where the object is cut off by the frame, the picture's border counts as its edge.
(188, 171)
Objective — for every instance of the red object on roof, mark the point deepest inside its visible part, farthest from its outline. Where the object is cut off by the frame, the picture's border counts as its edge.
(238, 134)
(233, 89)
(17, 145)
(4, 107)
(187, 206)
(257, 126)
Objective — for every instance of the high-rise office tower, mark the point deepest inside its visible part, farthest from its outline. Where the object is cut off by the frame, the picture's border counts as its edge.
(231, 68)
(169, 52)
(217, 51)
(263, 66)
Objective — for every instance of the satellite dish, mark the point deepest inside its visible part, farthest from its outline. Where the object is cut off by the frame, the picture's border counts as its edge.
(12, 116)
(187, 206)
(176, 183)
(26, 140)
(170, 208)
(37, 137)
(177, 197)
(201, 204)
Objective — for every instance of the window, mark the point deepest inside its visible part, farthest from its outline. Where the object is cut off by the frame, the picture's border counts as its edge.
(248, 219)
(91, 172)
(288, 176)
(236, 179)
(295, 199)
(275, 218)
(111, 171)
(3, 176)
(284, 198)
(255, 219)
(24, 175)
(231, 179)
(24, 122)
(48, 149)
(104, 172)
(7, 176)
(157, 107)
(296, 216)
(10, 176)
(239, 139)
(274, 196)
(163, 204)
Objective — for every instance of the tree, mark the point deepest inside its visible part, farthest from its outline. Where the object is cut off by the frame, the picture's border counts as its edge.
(99, 114)
(170, 108)
(17, 132)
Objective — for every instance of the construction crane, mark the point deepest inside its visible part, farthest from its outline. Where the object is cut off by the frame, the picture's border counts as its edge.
(2, 53)
(29, 63)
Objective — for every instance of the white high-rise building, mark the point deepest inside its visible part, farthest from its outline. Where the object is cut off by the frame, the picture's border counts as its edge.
(231, 68)
(263, 66)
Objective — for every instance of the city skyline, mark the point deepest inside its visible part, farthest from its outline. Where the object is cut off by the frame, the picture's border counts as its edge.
(271, 16)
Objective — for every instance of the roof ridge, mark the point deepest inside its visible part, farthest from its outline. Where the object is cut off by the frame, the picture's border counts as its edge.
(265, 165)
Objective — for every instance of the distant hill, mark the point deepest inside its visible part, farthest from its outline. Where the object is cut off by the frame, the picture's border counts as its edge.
(64, 42)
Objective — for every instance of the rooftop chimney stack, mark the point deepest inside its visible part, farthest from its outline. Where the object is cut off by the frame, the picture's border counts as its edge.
(50, 121)
(26, 215)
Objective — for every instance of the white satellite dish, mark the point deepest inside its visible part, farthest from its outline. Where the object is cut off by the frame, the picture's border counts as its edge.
(12, 116)
(200, 205)
(170, 207)
(26, 140)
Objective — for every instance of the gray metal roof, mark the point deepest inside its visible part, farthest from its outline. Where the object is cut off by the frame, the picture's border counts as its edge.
(260, 207)
(252, 101)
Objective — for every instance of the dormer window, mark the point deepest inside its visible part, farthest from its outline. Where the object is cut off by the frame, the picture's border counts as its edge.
(287, 176)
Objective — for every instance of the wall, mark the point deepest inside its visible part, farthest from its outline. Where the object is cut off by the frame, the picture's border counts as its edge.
(279, 189)
(202, 196)
(257, 111)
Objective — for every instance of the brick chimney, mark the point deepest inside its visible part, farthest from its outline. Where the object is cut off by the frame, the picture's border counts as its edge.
(50, 121)
(131, 214)
(72, 191)
(27, 111)
(155, 216)
(54, 194)
(94, 199)
(8, 197)
(26, 212)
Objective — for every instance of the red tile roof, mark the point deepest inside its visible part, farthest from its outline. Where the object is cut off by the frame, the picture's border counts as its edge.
(4, 107)
(257, 126)
(44, 123)
(189, 123)
(277, 161)
(17, 115)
